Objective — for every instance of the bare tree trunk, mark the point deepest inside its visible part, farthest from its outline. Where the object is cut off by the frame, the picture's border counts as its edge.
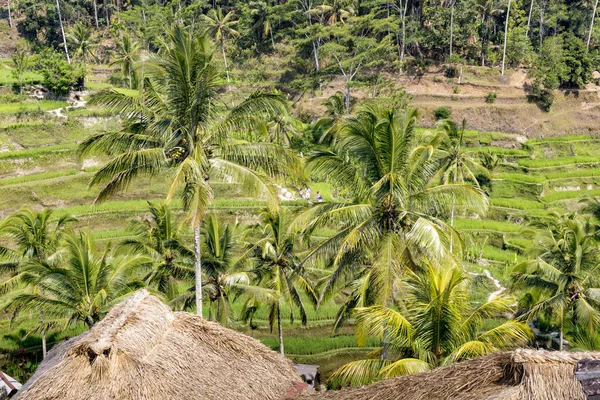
(562, 326)
(9, 16)
(43, 335)
(280, 330)
(62, 29)
(592, 25)
(529, 18)
(385, 350)
(226, 69)
(451, 27)
(106, 15)
(316, 54)
(505, 36)
(198, 269)
(96, 13)
(347, 98)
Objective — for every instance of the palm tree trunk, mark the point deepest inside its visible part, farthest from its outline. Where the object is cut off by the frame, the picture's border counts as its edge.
(62, 29)
(96, 13)
(198, 269)
(592, 25)
(9, 16)
(562, 327)
(43, 335)
(452, 222)
(347, 98)
(529, 19)
(226, 68)
(106, 16)
(316, 54)
(505, 36)
(280, 330)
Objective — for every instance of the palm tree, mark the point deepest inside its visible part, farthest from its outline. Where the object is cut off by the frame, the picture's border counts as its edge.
(80, 39)
(36, 236)
(79, 285)
(433, 324)
(394, 215)
(278, 271)
(158, 236)
(487, 11)
(175, 126)
(456, 165)
(564, 273)
(62, 29)
(219, 27)
(222, 267)
(127, 54)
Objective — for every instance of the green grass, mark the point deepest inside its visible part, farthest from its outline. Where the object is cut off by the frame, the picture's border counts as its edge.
(520, 178)
(486, 225)
(316, 345)
(31, 106)
(7, 79)
(568, 138)
(519, 204)
(496, 254)
(37, 177)
(62, 148)
(498, 150)
(567, 195)
(555, 162)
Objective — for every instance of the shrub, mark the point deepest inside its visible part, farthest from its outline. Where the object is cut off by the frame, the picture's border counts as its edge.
(456, 89)
(451, 72)
(442, 113)
(491, 97)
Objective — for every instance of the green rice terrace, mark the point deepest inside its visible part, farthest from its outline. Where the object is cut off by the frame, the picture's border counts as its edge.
(194, 193)
(40, 169)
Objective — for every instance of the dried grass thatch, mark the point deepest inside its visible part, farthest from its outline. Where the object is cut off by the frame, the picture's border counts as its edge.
(142, 350)
(518, 375)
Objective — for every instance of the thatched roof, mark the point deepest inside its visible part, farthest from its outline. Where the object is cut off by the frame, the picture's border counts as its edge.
(518, 375)
(142, 350)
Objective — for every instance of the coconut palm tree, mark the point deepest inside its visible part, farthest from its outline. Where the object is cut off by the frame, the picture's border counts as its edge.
(79, 285)
(127, 51)
(36, 237)
(80, 40)
(433, 324)
(457, 166)
(278, 272)
(176, 126)
(393, 217)
(158, 236)
(486, 10)
(220, 27)
(563, 271)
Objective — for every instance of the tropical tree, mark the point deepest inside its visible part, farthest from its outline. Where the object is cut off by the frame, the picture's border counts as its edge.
(278, 271)
(21, 61)
(176, 126)
(563, 272)
(158, 236)
(127, 54)
(394, 217)
(220, 27)
(457, 166)
(36, 237)
(222, 265)
(79, 285)
(80, 40)
(434, 323)
(486, 10)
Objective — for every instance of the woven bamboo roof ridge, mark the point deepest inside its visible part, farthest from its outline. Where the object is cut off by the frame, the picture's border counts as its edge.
(142, 350)
(519, 375)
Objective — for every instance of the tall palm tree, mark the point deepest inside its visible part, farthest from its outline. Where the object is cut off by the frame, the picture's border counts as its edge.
(564, 272)
(222, 264)
(176, 127)
(433, 324)
(79, 285)
(158, 236)
(220, 27)
(36, 237)
(457, 166)
(127, 51)
(80, 40)
(394, 215)
(278, 271)
(486, 10)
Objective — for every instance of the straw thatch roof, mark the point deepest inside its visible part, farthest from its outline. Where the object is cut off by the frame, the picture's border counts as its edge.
(142, 350)
(517, 375)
